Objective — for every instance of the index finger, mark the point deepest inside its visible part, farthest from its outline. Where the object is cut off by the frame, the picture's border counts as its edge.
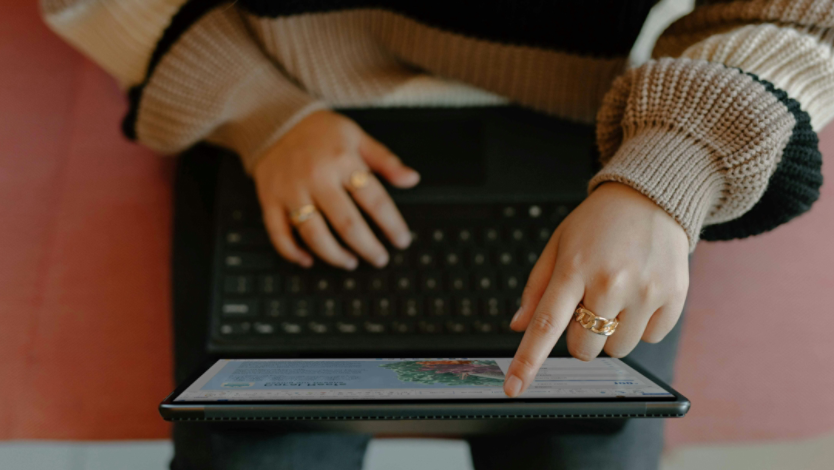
(563, 294)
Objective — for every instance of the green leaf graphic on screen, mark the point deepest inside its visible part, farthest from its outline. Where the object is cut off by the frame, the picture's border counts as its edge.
(461, 373)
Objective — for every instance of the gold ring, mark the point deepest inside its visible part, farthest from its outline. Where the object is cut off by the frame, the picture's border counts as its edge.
(302, 214)
(359, 179)
(593, 322)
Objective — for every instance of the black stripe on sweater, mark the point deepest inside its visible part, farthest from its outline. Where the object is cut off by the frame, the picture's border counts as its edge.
(794, 186)
(599, 28)
(188, 14)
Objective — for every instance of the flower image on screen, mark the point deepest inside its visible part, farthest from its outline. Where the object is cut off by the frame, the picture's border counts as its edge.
(473, 373)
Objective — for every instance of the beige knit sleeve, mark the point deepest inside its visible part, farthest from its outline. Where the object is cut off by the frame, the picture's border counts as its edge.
(718, 128)
(211, 82)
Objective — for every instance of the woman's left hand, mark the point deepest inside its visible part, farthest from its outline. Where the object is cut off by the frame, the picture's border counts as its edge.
(619, 254)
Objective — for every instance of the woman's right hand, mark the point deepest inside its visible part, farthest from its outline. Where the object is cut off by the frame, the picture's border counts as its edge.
(312, 164)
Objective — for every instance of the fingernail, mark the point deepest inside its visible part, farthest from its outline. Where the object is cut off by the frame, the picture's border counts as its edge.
(306, 263)
(517, 314)
(381, 260)
(512, 386)
(351, 264)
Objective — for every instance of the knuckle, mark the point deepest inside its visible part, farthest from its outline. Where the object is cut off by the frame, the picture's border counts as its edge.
(544, 325)
(378, 204)
(650, 291)
(612, 280)
(346, 225)
(573, 263)
(525, 363)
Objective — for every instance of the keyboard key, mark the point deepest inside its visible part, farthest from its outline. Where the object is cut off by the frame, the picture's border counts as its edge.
(543, 234)
(377, 284)
(425, 259)
(329, 307)
(295, 285)
(347, 327)
(458, 281)
(357, 308)
(318, 327)
(437, 236)
(402, 327)
(512, 281)
(484, 327)
(458, 327)
(491, 236)
(302, 308)
(399, 259)
(374, 327)
(275, 308)
(534, 211)
(465, 307)
(429, 326)
(322, 285)
(383, 307)
(263, 328)
(504, 258)
(410, 307)
(246, 237)
(478, 258)
(452, 259)
(529, 257)
(464, 236)
(232, 329)
(350, 284)
(249, 261)
(516, 235)
(404, 283)
(438, 306)
(239, 308)
(508, 211)
(243, 216)
(430, 282)
(484, 282)
(292, 328)
(270, 284)
(493, 307)
(238, 284)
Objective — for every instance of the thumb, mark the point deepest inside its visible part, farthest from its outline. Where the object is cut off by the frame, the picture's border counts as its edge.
(382, 161)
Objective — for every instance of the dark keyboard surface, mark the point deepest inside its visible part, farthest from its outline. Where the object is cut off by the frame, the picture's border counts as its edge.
(462, 276)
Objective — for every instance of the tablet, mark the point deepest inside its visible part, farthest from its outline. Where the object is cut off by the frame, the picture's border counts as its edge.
(339, 394)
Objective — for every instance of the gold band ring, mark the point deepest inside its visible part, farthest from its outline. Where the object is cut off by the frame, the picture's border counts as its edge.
(359, 179)
(593, 322)
(302, 214)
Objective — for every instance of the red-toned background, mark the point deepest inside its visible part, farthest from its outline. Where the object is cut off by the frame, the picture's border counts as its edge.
(84, 282)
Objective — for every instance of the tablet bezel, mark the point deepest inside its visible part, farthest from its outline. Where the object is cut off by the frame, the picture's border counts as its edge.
(608, 407)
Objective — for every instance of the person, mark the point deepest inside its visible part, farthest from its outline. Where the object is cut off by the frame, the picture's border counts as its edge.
(714, 138)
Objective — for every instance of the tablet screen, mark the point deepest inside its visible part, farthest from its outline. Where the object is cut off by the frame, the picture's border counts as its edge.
(412, 379)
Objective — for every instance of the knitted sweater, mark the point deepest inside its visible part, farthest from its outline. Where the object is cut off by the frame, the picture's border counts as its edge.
(717, 129)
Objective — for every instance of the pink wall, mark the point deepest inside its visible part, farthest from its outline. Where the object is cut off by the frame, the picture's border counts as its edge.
(84, 281)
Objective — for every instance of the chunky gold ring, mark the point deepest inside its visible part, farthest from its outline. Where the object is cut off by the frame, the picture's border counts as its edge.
(302, 214)
(359, 179)
(593, 322)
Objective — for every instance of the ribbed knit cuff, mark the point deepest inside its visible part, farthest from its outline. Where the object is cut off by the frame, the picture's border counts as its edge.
(215, 84)
(265, 108)
(700, 139)
(673, 170)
